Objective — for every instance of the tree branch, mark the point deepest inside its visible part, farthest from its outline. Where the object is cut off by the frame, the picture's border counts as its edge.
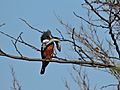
(60, 33)
(101, 17)
(14, 43)
(31, 26)
(110, 85)
(15, 83)
(88, 21)
(67, 86)
(2, 24)
(58, 60)
(21, 41)
(113, 38)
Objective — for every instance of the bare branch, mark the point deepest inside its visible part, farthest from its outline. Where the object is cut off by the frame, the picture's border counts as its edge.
(16, 48)
(18, 37)
(67, 61)
(74, 44)
(92, 8)
(67, 86)
(2, 24)
(21, 41)
(88, 21)
(14, 43)
(31, 26)
(15, 83)
(113, 38)
(110, 85)
(80, 78)
(60, 33)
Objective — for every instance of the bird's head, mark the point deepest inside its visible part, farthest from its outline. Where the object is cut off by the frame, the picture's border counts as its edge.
(46, 36)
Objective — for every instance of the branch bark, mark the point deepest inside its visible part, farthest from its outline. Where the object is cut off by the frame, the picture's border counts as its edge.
(58, 60)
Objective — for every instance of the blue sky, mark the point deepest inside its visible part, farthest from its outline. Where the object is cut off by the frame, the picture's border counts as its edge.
(40, 14)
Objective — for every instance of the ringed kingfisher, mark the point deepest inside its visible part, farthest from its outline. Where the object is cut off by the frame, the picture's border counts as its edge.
(47, 48)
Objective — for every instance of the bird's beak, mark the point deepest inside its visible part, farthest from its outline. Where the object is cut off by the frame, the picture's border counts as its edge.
(57, 41)
(50, 36)
(58, 46)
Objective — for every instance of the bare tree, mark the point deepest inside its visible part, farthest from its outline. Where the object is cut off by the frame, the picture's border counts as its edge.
(96, 45)
(89, 43)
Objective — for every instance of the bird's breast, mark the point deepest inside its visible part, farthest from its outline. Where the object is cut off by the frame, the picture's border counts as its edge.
(49, 51)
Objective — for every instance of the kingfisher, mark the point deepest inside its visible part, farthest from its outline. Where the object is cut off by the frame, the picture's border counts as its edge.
(47, 48)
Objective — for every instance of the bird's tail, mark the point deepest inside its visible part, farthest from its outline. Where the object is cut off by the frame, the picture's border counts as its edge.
(44, 64)
(42, 71)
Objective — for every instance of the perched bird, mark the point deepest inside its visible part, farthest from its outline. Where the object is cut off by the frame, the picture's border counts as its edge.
(47, 48)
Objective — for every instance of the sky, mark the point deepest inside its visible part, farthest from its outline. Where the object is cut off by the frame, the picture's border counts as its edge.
(41, 15)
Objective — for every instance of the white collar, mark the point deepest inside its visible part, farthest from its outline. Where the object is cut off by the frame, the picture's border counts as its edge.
(45, 41)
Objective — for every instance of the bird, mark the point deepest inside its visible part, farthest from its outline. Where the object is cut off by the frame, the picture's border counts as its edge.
(47, 48)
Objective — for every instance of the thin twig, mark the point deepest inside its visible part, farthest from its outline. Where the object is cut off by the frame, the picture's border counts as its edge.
(60, 33)
(88, 21)
(113, 38)
(2, 24)
(67, 86)
(18, 37)
(16, 48)
(21, 41)
(101, 17)
(110, 85)
(15, 83)
(15, 44)
(31, 26)
(74, 44)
